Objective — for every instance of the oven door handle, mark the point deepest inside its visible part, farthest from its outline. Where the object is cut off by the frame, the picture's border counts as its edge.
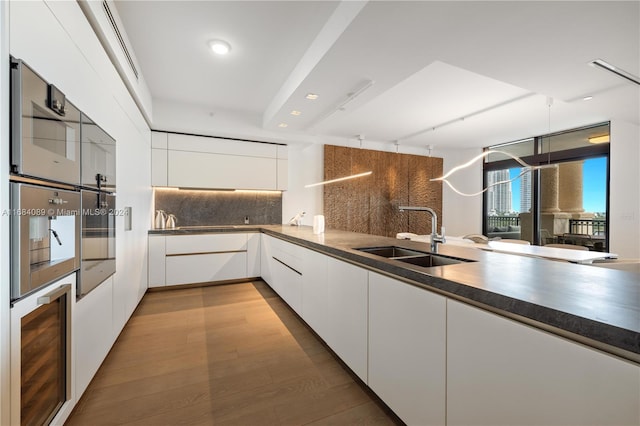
(54, 294)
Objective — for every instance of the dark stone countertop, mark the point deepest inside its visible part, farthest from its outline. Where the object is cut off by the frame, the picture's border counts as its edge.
(597, 306)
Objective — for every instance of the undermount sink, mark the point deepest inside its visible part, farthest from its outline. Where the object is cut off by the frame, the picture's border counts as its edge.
(391, 251)
(432, 260)
(413, 257)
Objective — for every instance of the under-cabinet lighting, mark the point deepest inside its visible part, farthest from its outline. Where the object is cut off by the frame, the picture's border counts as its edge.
(599, 139)
(339, 179)
(257, 191)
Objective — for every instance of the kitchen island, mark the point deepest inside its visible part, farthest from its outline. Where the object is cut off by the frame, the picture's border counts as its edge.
(555, 342)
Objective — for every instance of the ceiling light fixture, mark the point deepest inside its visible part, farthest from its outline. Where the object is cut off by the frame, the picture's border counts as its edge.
(526, 168)
(295, 112)
(283, 125)
(599, 139)
(342, 105)
(617, 71)
(339, 179)
(587, 98)
(311, 96)
(219, 47)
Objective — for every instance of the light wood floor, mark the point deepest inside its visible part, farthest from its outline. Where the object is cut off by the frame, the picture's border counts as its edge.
(228, 354)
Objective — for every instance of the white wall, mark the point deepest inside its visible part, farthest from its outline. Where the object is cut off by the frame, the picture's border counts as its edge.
(462, 215)
(4, 220)
(624, 200)
(56, 40)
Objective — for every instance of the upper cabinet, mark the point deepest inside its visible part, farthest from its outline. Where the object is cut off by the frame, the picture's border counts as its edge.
(189, 161)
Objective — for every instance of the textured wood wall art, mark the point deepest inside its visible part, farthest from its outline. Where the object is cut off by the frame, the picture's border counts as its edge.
(370, 204)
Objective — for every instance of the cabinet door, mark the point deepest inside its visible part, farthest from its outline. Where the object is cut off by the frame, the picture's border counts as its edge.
(156, 273)
(206, 243)
(201, 268)
(501, 372)
(204, 170)
(315, 291)
(253, 255)
(347, 314)
(266, 260)
(289, 285)
(159, 167)
(407, 349)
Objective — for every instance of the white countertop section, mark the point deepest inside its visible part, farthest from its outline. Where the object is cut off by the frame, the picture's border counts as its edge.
(575, 256)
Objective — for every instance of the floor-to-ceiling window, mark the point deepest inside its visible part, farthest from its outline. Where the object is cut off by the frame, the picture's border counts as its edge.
(566, 203)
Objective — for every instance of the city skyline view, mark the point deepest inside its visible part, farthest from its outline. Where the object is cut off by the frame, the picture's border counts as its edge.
(594, 186)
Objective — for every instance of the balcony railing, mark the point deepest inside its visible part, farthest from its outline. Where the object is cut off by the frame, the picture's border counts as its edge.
(588, 226)
(502, 221)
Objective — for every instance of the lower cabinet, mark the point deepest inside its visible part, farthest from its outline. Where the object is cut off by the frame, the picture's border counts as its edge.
(407, 349)
(188, 259)
(315, 292)
(347, 288)
(501, 372)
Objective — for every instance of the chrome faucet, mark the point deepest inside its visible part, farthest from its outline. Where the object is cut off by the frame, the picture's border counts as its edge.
(435, 238)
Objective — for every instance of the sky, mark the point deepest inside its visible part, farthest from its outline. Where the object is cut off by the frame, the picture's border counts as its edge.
(594, 185)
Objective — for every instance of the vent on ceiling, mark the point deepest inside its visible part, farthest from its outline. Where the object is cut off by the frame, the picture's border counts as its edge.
(116, 30)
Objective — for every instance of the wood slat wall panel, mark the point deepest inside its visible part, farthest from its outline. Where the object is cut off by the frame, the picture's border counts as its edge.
(370, 204)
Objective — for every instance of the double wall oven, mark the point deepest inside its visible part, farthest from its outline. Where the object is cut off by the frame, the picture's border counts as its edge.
(62, 208)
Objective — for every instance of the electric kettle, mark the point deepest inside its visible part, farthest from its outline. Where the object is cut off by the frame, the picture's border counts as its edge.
(160, 220)
(171, 221)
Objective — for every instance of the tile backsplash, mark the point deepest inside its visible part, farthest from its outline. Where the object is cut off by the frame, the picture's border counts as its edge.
(202, 207)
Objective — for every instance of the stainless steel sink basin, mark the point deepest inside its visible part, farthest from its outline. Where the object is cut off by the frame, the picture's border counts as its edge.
(413, 257)
(432, 260)
(391, 251)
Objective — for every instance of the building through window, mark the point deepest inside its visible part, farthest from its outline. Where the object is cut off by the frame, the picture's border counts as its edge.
(566, 204)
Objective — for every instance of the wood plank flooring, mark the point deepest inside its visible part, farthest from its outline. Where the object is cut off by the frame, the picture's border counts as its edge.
(229, 354)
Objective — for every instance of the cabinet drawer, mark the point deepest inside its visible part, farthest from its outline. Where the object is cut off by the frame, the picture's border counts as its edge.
(188, 244)
(200, 268)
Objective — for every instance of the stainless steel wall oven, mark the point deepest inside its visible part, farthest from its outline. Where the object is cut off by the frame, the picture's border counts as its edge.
(45, 129)
(98, 240)
(45, 236)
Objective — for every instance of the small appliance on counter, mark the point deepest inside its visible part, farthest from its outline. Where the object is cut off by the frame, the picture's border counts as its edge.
(171, 221)
(160, 220)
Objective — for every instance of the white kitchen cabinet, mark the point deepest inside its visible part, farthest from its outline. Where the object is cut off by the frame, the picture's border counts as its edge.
(501, 372)
(315, 292)
(157, 253)
(285, 268)
(266, 260)
(253, 255)
(347, 287)
(204, 170)
(159, 143)
(205, 267)
(191, 161)
(407, 349)
(198, 258)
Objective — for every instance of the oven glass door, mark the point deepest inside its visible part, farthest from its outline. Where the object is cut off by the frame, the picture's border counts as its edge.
(98, 167)
(98, 240)
(44, 144)
(45, 236)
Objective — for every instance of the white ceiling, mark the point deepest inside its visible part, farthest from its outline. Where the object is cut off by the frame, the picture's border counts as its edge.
(449, 74)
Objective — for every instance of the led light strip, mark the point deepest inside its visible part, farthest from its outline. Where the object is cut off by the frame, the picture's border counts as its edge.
(527, 168)
(617, 71)
(339, 179)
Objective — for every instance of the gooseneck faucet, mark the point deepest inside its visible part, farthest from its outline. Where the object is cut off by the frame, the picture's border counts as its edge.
(435, 238)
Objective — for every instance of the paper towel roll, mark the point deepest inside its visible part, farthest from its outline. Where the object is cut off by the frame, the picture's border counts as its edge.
(318, 224)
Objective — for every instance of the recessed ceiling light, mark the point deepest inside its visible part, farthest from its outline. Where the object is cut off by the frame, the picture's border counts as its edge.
(294, 112)
(599, 139)
(311, 96)
(282, 125)
(587, 98)
(220, 47)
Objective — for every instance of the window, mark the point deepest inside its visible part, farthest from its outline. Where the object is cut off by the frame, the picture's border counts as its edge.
(566, 204)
